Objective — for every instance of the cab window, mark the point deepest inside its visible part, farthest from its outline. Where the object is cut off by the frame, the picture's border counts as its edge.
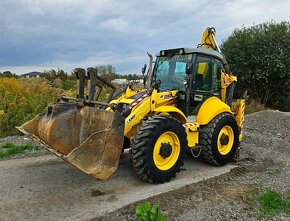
(217, 68)
(202, 79)
(171, 71)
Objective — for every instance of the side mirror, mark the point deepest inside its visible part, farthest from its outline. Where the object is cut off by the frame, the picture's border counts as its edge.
(144, 69)
(189, 68)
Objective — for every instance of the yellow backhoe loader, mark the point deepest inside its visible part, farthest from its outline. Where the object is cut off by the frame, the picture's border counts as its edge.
(187, 107)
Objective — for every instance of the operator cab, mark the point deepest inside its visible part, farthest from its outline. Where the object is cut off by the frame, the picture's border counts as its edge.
(195, 73)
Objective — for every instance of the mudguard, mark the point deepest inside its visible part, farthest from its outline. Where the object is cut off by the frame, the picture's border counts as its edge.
(210, 108)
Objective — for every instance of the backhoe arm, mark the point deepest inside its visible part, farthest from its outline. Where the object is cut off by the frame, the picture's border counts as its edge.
(208, 41)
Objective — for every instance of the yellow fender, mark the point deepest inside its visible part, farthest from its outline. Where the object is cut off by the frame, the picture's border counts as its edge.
(173, 111)
(210, 108)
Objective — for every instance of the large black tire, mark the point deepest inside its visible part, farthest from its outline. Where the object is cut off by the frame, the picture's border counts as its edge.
(209, 139)
(143, 144)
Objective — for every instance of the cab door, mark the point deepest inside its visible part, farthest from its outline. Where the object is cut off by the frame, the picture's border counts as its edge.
(205, 81)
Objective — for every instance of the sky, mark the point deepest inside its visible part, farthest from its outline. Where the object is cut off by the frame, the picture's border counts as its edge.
(38, 35)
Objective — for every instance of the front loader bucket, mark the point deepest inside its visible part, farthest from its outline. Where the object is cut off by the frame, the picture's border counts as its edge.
(87, 137)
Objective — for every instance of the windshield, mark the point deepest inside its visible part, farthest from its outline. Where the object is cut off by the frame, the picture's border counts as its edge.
(171, 71)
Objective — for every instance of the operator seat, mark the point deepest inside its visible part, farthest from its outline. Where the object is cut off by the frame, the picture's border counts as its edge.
(199, 82)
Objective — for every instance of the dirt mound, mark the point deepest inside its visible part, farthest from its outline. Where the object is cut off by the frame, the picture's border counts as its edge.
(267, 135)
(270, 122)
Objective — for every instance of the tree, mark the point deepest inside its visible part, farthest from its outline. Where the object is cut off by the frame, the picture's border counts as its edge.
(51, 75)
(108, 72)
(8, 74)
(60, 79)
(106, 69)
(130, 77)
(260, 57)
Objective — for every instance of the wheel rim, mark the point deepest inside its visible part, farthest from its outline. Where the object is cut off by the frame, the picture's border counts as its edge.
(225, 140)
(166, 150)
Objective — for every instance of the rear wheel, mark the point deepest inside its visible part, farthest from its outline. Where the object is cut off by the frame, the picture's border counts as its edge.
(158, 149)
(219, 139)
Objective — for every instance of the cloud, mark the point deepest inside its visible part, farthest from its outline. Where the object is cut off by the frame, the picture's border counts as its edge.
(118, 24)
(99, 59)
(70, 33)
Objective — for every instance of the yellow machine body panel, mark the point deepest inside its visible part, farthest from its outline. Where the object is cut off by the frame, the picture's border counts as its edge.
(136, 116)
(210, 108)
(157, 103)
(191, 129)
(173, 111)
(129, 93)
(123, 100)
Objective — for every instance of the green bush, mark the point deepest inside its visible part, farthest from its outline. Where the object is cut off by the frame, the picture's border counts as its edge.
(146, 212)
(259, 56)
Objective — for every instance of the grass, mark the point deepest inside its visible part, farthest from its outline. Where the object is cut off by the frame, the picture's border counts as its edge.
(271, 203)
(10, 149)
(274, 171)
(253, 107)
(287, 205)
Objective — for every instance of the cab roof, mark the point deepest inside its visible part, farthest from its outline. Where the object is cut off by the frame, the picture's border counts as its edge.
(200, 50)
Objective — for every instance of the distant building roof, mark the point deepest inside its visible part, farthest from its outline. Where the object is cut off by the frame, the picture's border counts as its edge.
(32, 74)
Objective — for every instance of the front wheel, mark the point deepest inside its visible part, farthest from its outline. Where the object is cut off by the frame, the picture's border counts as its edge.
(219, 139)
(158, 148)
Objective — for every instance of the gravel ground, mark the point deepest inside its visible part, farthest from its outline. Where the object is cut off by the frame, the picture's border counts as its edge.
(265, 163)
